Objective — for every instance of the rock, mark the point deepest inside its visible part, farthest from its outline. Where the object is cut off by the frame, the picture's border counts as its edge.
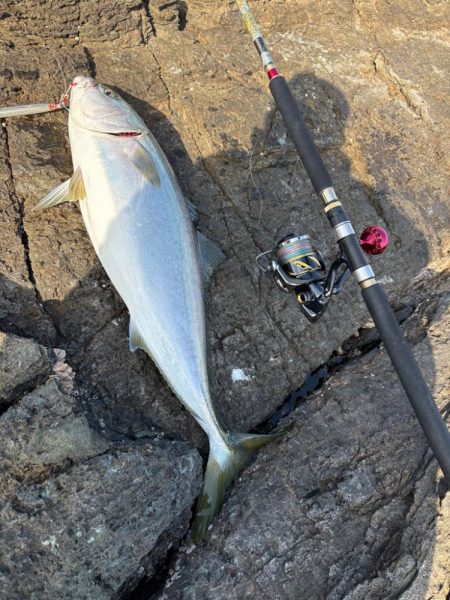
(166, 16)
(20, 309)
(345, 506)
(198, 85)
(377, 111)
(23, 363)
(83, 517)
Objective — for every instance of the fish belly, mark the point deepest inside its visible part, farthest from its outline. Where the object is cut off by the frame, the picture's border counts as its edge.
(146, 242)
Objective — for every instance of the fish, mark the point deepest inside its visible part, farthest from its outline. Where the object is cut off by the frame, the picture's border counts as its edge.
(143, 232)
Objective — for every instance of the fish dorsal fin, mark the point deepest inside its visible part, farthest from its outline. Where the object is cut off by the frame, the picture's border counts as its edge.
(210, 256)
(56, 196)
(143, 163)
(136, 341)
(76, 189)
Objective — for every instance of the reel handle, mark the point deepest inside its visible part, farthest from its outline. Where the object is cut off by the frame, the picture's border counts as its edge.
(374, 240)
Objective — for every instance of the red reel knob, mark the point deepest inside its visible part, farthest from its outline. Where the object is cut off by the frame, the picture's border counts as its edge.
(374, 240)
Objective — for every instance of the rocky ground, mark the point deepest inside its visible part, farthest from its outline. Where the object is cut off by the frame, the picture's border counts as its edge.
(101, 465)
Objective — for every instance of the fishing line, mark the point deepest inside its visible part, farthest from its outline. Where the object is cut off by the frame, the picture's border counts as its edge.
(61, 71)
(65, 97)
(299, 268)
(23, 110)
(255, 185)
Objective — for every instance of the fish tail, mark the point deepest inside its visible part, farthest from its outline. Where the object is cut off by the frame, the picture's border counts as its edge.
(222, 468)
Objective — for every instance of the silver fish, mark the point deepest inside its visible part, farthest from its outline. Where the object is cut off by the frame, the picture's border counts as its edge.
(141, 228)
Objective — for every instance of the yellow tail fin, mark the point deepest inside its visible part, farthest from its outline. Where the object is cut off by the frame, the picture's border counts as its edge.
(220, 472)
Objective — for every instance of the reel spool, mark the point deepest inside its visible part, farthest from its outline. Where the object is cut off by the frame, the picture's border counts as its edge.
(299, 268)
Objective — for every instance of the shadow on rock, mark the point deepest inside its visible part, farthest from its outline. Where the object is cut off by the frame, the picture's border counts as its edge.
(255, 329)
(346, 479)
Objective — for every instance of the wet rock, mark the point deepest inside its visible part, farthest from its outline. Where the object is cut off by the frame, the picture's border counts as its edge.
(84, 517)
(23, 363)
(346, 505)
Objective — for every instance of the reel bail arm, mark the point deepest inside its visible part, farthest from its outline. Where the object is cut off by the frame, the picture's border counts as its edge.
(372, 241)
(299, 268)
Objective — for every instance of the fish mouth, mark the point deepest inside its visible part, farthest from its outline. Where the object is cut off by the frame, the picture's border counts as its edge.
(120, 134)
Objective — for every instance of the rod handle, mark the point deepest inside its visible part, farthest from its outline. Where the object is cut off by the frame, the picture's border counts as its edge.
(298, 131)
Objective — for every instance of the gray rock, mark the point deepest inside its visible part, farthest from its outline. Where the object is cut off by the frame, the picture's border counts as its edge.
(23, 363)
(345, 506)
(377, 111)
(83, 517)
(373, 113)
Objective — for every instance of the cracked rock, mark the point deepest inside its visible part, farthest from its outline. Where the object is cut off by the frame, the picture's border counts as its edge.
(83, 517)
(345, 506)
(23, 363)
(377, 112)
(200, 90)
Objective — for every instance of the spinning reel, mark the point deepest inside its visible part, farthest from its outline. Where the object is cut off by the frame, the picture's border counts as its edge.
(298, 267)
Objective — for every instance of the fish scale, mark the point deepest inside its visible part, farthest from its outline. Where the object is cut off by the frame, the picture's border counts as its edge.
(142, 230)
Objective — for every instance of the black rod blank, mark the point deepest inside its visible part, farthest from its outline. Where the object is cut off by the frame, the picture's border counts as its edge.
(374, 296)
(299, 133)
(409, 374)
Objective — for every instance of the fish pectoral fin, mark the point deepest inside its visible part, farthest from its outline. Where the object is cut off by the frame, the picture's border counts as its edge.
(136, 341)
(76, 189)
(210, 256)
(143, 163)
(56, 196)
(68, 191)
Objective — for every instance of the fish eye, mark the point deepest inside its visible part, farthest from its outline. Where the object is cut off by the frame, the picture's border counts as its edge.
(109, 92)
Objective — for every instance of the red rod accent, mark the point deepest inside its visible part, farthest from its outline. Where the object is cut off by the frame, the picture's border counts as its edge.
(271, 73)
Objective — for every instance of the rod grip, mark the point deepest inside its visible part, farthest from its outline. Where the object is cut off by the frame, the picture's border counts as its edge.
(409, 374)
(299, 132)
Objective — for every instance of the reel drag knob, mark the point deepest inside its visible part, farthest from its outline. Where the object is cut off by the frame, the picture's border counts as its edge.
(374, 240)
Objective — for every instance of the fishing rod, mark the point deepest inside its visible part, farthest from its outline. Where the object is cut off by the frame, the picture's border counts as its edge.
(299, 268)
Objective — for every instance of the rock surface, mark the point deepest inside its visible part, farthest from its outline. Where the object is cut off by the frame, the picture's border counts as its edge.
(345, 506)
(377, 116)
(82, 516)
(374, 96)
(23, 362)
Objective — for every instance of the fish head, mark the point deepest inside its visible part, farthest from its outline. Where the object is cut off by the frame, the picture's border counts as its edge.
(97, 108)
